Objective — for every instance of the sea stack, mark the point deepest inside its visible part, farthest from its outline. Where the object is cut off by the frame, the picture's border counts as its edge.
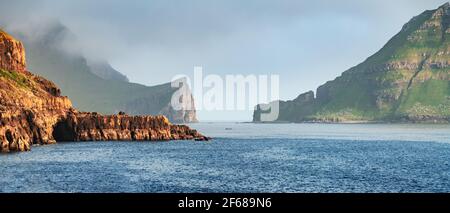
(33, 111)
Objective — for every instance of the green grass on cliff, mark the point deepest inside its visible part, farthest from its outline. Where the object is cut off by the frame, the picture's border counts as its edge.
(350, 95)
(404, 79)
(87, 91)
(429, 98)
(391, 50)
(349, 114)
(21, 80)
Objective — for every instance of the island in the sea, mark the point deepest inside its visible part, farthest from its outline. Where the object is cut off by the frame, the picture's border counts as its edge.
(33, 111)
(408, 80)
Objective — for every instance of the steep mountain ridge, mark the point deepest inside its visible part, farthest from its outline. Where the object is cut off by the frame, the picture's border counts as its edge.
(407, 80)
(94, 86)
(33, 111)
(104, 70)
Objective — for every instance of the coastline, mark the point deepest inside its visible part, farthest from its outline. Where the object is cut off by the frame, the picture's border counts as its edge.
(355, 122)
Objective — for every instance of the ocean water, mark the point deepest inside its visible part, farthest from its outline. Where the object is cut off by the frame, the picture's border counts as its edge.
(245, 158)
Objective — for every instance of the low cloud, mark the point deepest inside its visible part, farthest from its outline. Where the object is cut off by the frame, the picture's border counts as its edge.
(305, 42)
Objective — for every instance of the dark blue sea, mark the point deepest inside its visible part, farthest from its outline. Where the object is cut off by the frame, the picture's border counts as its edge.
(245, 158)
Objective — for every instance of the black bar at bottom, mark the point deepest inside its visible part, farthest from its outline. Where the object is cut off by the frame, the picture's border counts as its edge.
(224, 201)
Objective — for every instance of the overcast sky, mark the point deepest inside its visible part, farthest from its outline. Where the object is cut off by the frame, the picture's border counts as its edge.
(306, 42)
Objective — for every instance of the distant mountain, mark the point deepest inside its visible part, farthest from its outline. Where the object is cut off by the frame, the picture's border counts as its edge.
(33, 111)
(104, 70)
(93, 85)
(407, 80)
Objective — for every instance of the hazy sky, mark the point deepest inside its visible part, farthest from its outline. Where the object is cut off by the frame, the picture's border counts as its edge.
(306, 42)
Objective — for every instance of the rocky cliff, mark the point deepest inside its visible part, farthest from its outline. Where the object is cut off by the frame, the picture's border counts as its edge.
(93, 85)
(12, 53)
(104, 70)
(32, 111)
(408, 80)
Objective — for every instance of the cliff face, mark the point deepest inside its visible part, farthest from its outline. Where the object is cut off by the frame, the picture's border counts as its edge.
(94, 86)
(105, 71)
(12, 53)
(407, 80)
(32, 111)
(94, 127)
(158, 102)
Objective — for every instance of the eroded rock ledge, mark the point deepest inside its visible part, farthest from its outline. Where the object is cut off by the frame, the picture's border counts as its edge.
(95, 127)
(32, 111)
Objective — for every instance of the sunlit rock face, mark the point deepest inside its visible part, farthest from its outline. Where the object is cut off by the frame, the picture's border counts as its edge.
(32, 111)
(109, 91)
(12, 53)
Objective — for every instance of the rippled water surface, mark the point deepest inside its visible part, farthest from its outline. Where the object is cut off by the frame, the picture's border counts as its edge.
(245, 158)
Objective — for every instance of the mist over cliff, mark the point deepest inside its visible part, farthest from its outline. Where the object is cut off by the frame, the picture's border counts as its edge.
(92, 83)
(33, 111)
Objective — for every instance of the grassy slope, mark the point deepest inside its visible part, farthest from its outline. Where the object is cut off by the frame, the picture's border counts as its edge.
(19, 79)
(356, 94)
(89, 92)
(428, 98)
(353, 93)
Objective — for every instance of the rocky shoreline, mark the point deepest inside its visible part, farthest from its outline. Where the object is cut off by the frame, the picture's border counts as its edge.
(400, 120)
(405, 121)
(33, 111)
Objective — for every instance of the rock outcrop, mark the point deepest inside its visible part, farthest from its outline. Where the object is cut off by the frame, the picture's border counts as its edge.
(12, 53)
(408, 80)
(95, 127)
(32, 111)
(92, 84)
(104, 70)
